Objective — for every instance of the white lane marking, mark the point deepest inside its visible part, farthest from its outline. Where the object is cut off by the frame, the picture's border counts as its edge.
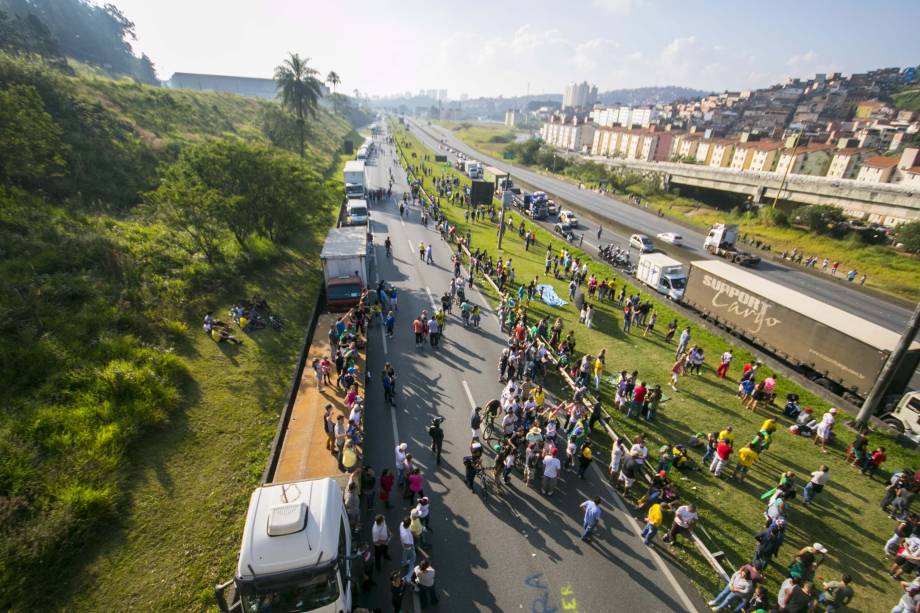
(689, 606)
(592, 245)
(469, 395)
(434, 305)
(402, 222)
(411, 246)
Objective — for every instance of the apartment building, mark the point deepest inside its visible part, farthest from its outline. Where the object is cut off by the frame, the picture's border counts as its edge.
(722, 151)
(632, 144)
(704, 151)
(807, 160)
(878, 169)
(569, 132)
(765, 156)
(845, 162)
(912, 177)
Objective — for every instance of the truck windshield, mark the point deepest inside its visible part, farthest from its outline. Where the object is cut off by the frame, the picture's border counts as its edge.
(358, 211)
(304, 594)
(344, 291)
(678, 282)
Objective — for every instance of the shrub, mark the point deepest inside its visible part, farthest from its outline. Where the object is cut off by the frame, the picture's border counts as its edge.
(821, 218)
(774, 217)
(908, 234)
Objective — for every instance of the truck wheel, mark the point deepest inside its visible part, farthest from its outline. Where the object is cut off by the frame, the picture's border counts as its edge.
(895, 423)
(852, 398)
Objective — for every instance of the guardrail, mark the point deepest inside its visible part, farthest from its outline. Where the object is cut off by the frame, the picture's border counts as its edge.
(711, 558)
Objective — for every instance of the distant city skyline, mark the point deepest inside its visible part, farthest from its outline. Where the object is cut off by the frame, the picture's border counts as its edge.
(510, 48)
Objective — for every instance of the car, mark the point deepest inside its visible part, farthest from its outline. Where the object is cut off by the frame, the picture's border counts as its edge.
(568, 217)
(671, 237)
(642, 243)
(564, 230)
(551, 207)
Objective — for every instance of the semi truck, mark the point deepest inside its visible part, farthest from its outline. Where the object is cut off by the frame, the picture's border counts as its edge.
(721, 240)
(834, 348)
(344, 259)
(355, 179)
(663, 274)
(473, 169)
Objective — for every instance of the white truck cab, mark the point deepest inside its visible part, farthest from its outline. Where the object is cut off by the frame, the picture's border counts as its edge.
(905, 417)
(296, 550)
(663, 274)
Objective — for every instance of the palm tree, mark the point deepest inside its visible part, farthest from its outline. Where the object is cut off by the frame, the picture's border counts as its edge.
(334, 79)
(299, 90)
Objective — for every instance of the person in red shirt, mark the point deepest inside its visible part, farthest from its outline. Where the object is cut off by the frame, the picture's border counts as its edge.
(875, 460)
(520, 332)
(418, 327)
(723, 453)
(635, 406)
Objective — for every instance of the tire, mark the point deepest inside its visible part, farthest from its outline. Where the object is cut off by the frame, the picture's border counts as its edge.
(894, 423)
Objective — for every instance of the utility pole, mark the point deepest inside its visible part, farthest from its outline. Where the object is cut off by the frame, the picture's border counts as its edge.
(506, 202)
(795, 145)
(892, 364)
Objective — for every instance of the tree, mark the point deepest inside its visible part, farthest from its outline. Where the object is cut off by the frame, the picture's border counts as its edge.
(300, 91)
(30, 140)
(821, 218)
(334, 79)
(908, 234)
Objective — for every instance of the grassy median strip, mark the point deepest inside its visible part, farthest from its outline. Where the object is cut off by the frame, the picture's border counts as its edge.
(845, 517)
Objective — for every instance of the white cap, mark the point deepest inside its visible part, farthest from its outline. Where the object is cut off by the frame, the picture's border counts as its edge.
(820, 547)
(833, 410)
(403, 446)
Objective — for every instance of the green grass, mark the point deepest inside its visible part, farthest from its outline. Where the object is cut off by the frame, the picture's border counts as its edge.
(846, 517)
(908, 100)
(490, 138)
(189, 484)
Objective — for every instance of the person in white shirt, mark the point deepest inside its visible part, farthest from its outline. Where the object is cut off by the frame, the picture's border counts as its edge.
(380, 534)
(616, 456)
(825, 429)
(551, 467)
(407, 541)
(424, 578)
(424, 515)
(684, 519)
(724, 363)
(401, 463)
(817, 482)
(639, 451)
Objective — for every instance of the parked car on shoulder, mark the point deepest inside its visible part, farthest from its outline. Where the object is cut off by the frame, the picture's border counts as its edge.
(564, 230)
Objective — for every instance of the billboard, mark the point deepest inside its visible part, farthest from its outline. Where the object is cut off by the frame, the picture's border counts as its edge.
(482, 192)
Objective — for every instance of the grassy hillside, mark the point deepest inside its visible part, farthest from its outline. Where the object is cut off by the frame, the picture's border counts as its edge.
(908, 100)
(491, 138)
(125, 212)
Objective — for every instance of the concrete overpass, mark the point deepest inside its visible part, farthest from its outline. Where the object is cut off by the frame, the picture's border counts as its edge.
(876, 202)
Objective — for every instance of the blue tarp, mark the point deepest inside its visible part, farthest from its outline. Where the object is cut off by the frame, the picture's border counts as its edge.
(547, 293)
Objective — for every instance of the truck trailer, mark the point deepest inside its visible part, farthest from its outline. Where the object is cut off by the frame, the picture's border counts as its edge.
(836, 349)
(344, 258)
(355, 179)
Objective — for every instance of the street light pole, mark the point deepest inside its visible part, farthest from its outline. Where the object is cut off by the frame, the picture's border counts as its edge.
(891, 367)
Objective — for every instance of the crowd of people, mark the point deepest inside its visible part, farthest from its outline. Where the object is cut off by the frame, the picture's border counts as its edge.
(542, 440)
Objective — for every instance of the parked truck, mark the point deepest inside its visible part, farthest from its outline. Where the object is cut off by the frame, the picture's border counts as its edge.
(344, 258)
(355, 179)
(296, 553)
(473, 169)
(663, 274)
(836, 349)
(500, 178)
(722, 241)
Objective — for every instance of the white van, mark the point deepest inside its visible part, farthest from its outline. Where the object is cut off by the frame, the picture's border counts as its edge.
(356, 213)
(296, 552)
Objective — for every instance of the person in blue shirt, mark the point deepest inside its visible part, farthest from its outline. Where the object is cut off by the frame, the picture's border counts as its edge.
(592, 517)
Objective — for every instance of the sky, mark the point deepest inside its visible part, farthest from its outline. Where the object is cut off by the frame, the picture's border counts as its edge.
(512, 47)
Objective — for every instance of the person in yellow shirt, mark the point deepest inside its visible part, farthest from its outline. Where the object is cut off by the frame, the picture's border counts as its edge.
(598, 373)
(746, 458)
(538, 396)
(769, 426)
(653, 521)
(727, 435)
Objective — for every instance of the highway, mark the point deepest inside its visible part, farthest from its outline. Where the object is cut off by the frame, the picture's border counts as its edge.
(603, 207)
(517, 551)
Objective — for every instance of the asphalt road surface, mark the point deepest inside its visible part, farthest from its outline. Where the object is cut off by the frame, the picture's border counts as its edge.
(878, 310)
(516, 551)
